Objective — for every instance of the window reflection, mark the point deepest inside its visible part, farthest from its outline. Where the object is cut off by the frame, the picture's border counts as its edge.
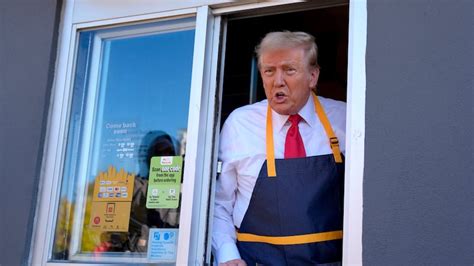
(139, 111)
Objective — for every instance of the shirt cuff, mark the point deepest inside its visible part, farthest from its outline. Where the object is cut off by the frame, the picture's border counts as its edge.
(227, 251)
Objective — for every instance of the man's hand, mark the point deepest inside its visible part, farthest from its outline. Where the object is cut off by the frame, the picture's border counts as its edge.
(236, 262)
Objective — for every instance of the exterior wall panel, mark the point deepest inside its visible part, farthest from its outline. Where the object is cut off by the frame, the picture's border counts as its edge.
(418, 188)
(27, 38)
(85, 11)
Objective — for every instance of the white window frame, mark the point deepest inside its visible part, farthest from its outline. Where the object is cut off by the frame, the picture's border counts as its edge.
(355, 134)
(355, 123)
(201, 119)
(92, 104)
(51, 174)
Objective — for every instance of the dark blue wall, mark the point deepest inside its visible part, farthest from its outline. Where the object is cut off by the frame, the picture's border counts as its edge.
(28, 31)
(418, 188)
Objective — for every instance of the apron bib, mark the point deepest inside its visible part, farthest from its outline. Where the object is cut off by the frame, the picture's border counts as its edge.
(295, 217)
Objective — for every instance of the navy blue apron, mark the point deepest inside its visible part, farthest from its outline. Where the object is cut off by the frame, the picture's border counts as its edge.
(295, 217)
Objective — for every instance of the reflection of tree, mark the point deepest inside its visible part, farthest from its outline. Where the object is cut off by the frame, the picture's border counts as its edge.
(63, 229)
(90, 239)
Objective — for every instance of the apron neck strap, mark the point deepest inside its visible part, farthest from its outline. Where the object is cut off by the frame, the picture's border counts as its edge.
(333, 141)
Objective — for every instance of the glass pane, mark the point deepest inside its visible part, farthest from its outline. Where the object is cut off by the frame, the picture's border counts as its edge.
(130, 104)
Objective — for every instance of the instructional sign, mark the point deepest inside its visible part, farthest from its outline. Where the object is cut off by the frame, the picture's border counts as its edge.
(110, 216)
(111, 201)
(162, 244)
(164, 183)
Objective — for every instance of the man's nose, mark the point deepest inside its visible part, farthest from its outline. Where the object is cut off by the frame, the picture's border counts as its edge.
(279, 79)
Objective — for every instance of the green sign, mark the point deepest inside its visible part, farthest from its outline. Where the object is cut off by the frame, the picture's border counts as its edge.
(164, 184)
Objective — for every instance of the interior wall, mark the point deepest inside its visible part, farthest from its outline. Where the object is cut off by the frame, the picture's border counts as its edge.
(329, 26)
(418, 188)
(28, 31)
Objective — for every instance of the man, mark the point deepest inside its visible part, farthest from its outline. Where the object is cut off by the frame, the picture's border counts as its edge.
(286, 211)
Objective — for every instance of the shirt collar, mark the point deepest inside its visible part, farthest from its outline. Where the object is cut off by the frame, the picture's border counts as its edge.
(307, 113)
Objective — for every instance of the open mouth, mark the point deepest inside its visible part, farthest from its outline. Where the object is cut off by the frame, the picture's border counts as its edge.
(280, 97)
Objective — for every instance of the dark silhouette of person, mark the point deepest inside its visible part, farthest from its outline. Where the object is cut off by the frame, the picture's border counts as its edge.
(142, 219)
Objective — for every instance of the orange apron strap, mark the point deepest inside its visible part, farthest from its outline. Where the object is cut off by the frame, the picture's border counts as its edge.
(271, 171)
(291, 240)
(333, 141)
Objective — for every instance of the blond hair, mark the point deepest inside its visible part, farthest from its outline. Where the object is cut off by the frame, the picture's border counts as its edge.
(287, 39)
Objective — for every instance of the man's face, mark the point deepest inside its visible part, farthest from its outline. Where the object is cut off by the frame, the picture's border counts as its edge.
(287, 79)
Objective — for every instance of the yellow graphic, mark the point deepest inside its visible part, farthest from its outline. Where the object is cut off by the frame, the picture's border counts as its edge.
(111, 201)
(113, 186)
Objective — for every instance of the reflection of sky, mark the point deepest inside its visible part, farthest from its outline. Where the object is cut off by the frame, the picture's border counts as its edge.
(145, 83)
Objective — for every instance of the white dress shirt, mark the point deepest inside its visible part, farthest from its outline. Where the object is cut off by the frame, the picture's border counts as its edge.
(242, 151)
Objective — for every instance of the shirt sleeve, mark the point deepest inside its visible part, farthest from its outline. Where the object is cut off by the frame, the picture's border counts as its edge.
(223, 236)
(336, 112)
(340, 125)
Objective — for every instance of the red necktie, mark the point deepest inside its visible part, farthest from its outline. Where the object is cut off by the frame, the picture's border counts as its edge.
(294, 147)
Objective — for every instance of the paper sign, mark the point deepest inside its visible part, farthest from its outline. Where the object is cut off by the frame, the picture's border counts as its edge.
(113, 186)
(111, 201)
(164, 183)
(110, 216)
(162, 244)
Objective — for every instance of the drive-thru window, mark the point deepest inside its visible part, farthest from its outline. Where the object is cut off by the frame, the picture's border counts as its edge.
(140, 94)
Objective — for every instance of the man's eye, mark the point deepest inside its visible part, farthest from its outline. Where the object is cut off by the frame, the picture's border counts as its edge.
(268, 71)
(291, 70)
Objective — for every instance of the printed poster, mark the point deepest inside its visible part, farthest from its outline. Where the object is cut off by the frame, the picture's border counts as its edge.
(164, 184)
(111, 201)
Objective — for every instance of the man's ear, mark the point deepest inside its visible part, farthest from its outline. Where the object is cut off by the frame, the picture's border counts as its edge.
(314, 76)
